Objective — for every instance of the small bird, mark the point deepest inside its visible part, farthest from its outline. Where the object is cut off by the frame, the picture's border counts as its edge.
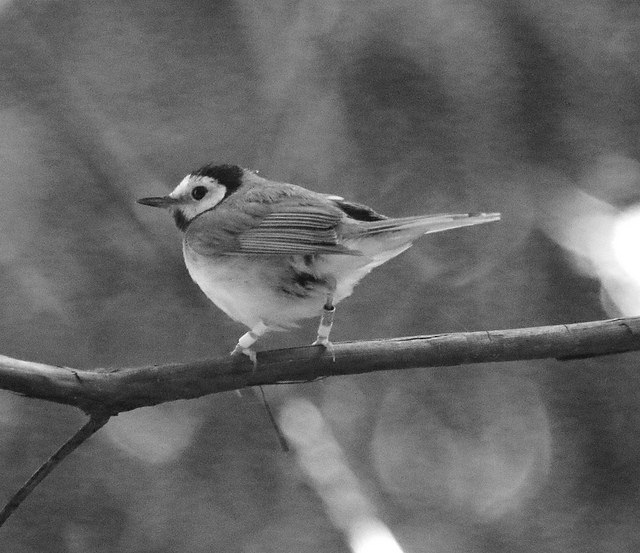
(270, 254)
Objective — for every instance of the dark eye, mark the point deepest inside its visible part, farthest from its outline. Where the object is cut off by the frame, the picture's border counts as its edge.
(199, 192)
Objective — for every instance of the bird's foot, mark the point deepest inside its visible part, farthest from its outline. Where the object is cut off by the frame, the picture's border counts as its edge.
(328, 346)
(249, 352)
(247, 340)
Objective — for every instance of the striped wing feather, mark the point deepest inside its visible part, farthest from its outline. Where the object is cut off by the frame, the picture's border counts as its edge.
(302, 230)
(289, 230)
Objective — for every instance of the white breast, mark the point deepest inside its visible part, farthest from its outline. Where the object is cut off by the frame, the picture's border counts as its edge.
(226, 283)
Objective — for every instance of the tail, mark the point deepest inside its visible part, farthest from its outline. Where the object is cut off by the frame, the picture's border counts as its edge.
(413, 227)
(387, 238)
(375, 242)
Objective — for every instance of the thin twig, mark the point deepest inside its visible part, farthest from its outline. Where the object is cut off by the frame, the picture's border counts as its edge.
(88, 429)
(274, 423)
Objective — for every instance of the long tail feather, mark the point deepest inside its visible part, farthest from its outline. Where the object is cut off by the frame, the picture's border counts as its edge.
(425, 224)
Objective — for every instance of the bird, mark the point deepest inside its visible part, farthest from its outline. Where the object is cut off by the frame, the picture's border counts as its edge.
(270, 254)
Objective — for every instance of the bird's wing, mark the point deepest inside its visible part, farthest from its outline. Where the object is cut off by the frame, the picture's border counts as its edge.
(284, 228)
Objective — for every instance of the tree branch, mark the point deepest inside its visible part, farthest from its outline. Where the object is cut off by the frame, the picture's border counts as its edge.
(105, 392)
(115, 390)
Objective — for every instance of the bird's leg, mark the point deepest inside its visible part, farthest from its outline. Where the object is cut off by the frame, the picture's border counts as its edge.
(326, 322)
(247, 340)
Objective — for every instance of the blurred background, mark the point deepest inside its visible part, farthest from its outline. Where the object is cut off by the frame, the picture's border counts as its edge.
(527, 108)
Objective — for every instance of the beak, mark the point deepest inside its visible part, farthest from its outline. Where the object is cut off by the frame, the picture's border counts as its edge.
(158, 201)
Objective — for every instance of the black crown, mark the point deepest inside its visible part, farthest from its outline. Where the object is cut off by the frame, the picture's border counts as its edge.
(229, 176)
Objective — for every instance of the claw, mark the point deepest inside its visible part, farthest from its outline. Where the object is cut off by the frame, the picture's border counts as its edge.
(328, 346)
(251, 354)
(247, 340)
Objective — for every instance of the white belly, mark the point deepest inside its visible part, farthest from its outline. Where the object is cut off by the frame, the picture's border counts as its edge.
(249, 288)
(246, 288)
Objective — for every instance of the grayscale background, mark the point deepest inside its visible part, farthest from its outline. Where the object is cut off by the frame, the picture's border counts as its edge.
(530, 108)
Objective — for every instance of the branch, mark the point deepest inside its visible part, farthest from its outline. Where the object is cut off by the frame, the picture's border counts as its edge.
(112, 391)
(106, 392)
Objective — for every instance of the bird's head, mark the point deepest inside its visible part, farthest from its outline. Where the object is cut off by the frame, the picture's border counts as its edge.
(199, 191)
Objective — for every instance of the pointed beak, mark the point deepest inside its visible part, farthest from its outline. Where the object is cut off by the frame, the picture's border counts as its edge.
(158, 201)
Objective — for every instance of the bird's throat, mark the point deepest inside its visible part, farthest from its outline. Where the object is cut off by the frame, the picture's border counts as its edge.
(180, 219)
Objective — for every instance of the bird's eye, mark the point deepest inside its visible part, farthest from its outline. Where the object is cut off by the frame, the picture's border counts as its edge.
(199, 192)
